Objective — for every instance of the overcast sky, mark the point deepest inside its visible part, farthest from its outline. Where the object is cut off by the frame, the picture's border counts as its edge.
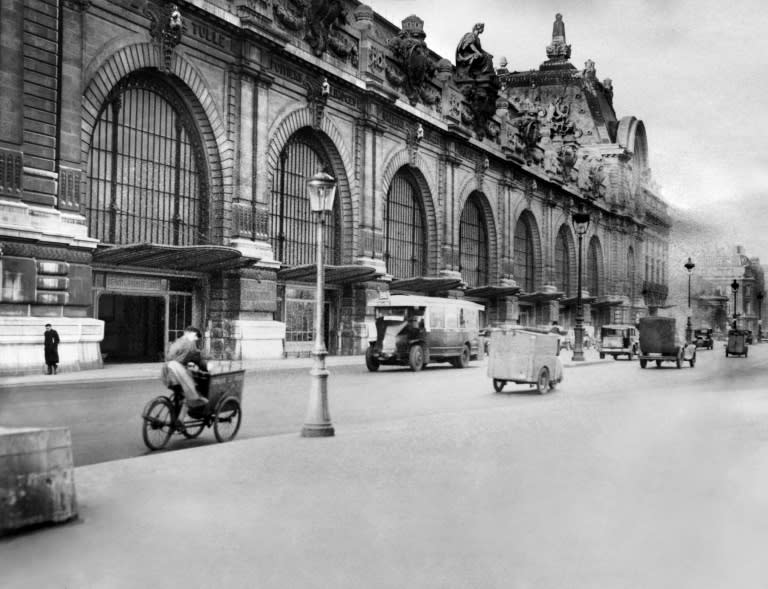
(694, 72)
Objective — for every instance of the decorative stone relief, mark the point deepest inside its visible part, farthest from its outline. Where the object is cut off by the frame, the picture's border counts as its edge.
(317, 98)
(319, 22)
(166, 28)
(413, 68)
(413, 138)
(477, 79)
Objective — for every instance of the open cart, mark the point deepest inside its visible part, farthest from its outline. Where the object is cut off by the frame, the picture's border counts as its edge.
(524, 356)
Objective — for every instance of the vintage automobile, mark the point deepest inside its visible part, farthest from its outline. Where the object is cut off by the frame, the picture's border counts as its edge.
(738, 343)
(619, 340)
(524, 356)
(416, 330)
(704, 338)
(660, 342)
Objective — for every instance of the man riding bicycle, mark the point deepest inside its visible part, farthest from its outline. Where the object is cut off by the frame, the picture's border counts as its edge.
(182, 361)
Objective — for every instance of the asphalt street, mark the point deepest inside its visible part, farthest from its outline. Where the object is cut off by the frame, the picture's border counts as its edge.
(104, 416)
(622, 478)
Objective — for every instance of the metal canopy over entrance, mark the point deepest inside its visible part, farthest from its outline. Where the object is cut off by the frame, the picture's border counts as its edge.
(491, 292)
(425, 284)
(197, 258)
(333, 274)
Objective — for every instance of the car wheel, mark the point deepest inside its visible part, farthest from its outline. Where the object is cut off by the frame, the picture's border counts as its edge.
(371, 362)
(658, 363)
(416, 358)
(463, 360)
(498, 384)
(542, 382)
(602, 356)
(643, 363)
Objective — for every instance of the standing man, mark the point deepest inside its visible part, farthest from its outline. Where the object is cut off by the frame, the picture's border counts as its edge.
(51, 349)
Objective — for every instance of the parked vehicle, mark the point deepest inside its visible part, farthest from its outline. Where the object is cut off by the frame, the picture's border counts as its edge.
(704, 338)
(416, 330)
(524, 357)
(660, 342)
(619, 340)
(738, 344)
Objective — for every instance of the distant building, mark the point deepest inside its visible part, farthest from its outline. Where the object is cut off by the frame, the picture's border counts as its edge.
(153, 167)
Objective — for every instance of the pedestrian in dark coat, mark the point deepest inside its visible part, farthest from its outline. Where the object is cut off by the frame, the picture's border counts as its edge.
(51, 349)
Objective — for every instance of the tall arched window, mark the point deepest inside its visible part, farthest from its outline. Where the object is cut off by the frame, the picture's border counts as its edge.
(146, 167)
(524, 256)
(405, 252)
(631, 274)
(473, 244)
(562, 262)
(292, 227)
(593, 268)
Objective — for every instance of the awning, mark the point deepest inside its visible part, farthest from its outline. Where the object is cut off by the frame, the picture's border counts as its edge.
(538, 297)
(198, 258)
(574, 301)
(491, 292)
(425, 284)
(613, 302)
(333, 274)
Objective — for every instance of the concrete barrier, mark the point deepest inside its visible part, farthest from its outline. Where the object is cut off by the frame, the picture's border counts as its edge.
(37, 484)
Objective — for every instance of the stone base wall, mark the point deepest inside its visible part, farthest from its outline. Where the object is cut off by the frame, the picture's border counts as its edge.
(21, 344)
(37, 484)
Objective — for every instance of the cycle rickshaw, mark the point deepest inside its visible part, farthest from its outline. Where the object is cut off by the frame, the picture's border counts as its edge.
(223, 413)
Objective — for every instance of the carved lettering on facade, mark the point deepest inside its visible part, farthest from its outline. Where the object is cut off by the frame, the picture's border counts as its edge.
(210, 35)
(144, 283)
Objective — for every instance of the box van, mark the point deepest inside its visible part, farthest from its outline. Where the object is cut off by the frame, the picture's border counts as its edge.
(416, 330)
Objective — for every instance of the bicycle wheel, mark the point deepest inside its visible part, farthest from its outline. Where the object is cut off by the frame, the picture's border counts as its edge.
(157, 425)
(226, 422)
(193, 428)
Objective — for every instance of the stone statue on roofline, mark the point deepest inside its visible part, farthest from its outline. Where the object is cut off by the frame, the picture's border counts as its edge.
(471, 60)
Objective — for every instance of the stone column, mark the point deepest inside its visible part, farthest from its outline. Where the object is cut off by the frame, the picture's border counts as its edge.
(449, 265)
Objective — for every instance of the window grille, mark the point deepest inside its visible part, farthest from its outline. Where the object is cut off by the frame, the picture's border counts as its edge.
(293, 226)
(473, 244)
(523, 256)
(593, 269)
(146, 168)
(562, 263)
(405, 253)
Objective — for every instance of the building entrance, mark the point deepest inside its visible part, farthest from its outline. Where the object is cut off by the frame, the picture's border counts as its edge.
(134, 328)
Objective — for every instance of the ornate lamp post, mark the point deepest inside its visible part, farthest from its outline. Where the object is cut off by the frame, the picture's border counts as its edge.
(689, 265)
(580, 221)
(321, 188)
(735, 289)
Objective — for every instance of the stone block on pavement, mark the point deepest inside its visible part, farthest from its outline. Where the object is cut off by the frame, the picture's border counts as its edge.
(37, 484)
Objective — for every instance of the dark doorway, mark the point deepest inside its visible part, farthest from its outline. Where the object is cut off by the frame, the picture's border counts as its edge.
(134, 328)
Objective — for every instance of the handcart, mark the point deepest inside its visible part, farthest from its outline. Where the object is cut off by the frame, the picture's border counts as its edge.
(660, 342)
(223, 389)
(524, 356)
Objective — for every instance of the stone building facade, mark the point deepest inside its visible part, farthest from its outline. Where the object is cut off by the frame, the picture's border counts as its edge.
(154, 158)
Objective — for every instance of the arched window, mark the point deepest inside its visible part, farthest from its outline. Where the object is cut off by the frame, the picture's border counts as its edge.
(562, 262)
(593, 268)
(405, 252)
(473, 244)
(631, 274)
(146, 168)
(524, 256)
(292, 227)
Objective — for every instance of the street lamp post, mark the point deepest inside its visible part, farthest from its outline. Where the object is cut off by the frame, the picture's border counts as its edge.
(735, 289)
(689, 265)
(321, 188)
(580, 224)
(760, 297)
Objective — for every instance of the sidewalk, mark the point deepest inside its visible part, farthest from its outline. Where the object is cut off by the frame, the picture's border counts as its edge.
(151, 370)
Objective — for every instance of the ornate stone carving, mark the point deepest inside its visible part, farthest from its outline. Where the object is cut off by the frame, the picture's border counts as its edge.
(319, 21)
(317, 98)
(166, 28)
(558, 50)
(526, 138)
(413, 64)
(592, 176)
(413, 137)
(476, 78)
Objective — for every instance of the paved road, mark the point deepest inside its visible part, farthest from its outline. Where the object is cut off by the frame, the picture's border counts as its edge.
(623, 478)
(104, 418)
